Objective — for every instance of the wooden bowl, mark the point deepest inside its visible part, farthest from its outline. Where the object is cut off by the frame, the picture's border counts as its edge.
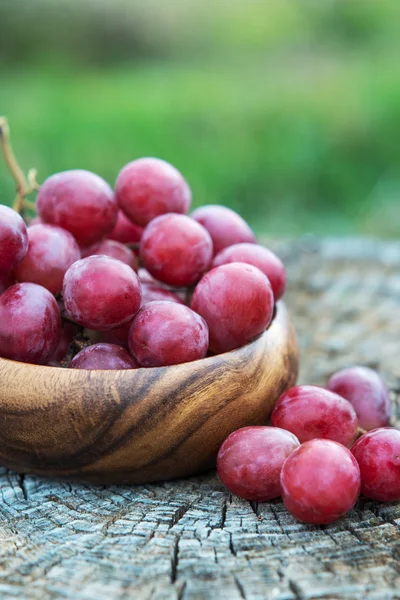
(140, 425)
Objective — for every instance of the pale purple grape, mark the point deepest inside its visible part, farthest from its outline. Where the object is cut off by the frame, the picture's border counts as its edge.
(176, 250)
(101, 293)
(367, 392)
(79, 201)
(224, 225)
(312, 412)
(166, 333)
(149, 187)
(152, 293)
(30, 323)
(250, 460)
(237, 303)
(320, 481)
(13, 240)
(103, 357)
(115, 250)
(52, 250)
(125, 231)
(378, 455)
(260, 257)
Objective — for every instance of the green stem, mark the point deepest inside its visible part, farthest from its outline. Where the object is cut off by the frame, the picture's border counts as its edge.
(23, 187)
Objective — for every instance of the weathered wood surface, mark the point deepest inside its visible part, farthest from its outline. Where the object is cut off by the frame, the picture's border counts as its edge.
(190, 539)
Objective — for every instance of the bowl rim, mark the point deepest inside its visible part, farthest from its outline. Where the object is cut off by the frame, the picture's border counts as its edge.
(280, 315)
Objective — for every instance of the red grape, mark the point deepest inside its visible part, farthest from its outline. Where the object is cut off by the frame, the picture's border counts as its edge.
(80, 202)
(176, 250)
(224, 225)
(115, 250)
(30, 323)
(117, 335)
(125, 231)
(13, 239)
(149, 187)
(101, 293)
(51, 252)
(103, 357)
(368, 394)
(68, 333)
(6, 281)
(152, 292)
(320, 481)
(237, 303)
(260, 257)
(250, 460)
(378, 455)
(166, 333)
(312, 412)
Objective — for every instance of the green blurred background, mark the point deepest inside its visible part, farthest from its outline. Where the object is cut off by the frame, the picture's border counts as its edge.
(287, 111)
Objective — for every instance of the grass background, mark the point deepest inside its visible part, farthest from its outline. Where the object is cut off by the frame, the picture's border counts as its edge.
(287, 112)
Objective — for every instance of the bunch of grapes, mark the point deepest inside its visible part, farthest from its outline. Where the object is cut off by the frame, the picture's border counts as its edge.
(127, 277)
(310, 455)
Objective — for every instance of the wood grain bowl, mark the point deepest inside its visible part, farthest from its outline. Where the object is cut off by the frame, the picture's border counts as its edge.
(137, 426)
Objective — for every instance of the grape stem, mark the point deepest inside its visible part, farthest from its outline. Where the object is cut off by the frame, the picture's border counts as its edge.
(360, 432)
(24, 186)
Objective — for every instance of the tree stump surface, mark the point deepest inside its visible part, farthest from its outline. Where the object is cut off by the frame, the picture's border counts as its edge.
(190, 539)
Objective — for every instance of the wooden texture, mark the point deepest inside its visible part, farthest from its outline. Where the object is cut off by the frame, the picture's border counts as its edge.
(136, 426)
(190, 539)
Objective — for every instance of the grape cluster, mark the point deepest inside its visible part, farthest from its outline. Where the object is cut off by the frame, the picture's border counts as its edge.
(126, 277)
(310, 456)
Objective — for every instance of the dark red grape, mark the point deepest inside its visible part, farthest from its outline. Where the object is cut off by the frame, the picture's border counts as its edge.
(149, 187)
(6, 281)
(13, 239)
(368, 394)
(117, 335)
(51, 252)
(30, 323)
(125, 231)
(152, 293)
(80, 202)
(378, 455)
(166, 333)
(101, 293)
(320, 481)
(224, 225)
(115, 250)
(176, 250)
(103, 357)
(237, 303)
(260, 257)
(68, 333)
(250, 460)
(312, 412)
